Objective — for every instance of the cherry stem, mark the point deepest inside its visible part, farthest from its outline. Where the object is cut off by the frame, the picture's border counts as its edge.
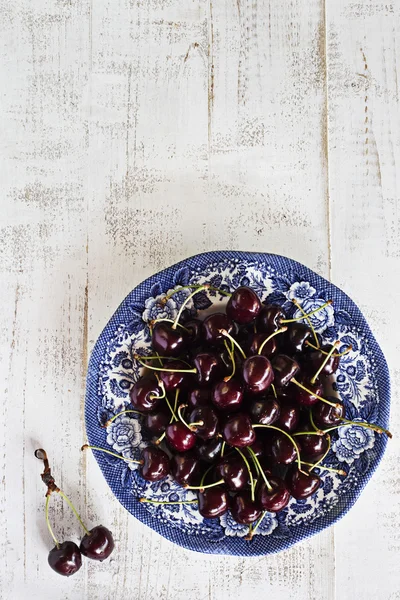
(160, 439)
(260, 520)
(190, 426)
(260, 469)
(87, 447)
(322, 365)
(223, 449)
(325, 453)
(373, 426)
(290, 438)
(203, 487)
(123, 412)
(173, 414)
(338, 471)
(348, 349)
(143, 500)
(72, 507)
(57, 543)
(317, 432)
(274, 390)
(140, 361)
(180, 311)
(305, 316)
(250, 473)
(232, 357)
(297, 305)
(282, 330)
(228, 335)
(334, 404)
(205, 475)
(312, 421)
(196, 287)
(158, 357)
(155, 321)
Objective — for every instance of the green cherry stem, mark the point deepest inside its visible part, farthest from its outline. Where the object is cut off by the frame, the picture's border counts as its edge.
(260, 520)
(260, 469)
(223, 449)
(57, 543)
(231, 353)
(274, 390)
(180, 311)
(322, 365)
(288, 436)
(317, 432)
(228, 335)
(140, 361)
(334, 404)
(281, 330)
(155, 321)
(123, 412)
(246, 462)
(72, 507)
(87, 447)
(203, 487)
(297, 305)
(143, 500)
(173, 410)
(338, 471)
(138, 357)
(191, 426)
(373, 426)
(312, 421)
(348, 349)
(310, 314)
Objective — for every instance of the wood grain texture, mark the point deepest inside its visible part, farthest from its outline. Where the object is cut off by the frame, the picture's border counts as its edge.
(135, 134)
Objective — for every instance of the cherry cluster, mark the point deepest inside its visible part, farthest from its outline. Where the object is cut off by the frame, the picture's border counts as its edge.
(237, 406)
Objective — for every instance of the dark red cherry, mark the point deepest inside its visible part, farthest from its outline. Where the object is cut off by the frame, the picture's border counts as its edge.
(305, 398)
(244, 509)
(289, 415)
(209, 450)
(238, 431)
(185, 468)
(194, 326)
(66, 559)
(209, 368)
(199, 397)
(173, 379)
(302, 485)
(285, 368)
(257, 374)
(209, 418)
(275, 499)
(168, 341)
(98, 544)
(312, 447)
(227, 395)
(269, 318)
(315, 358)
(179, 437)
(256, 341)
(212, 326)
(156, 422)
(258, 446)
(212, 502)
(233, 471)
(264, 410)
(145, 394)
(295, 337)
(282, 449)
(325, 415)
(155, 464)
(244, 305)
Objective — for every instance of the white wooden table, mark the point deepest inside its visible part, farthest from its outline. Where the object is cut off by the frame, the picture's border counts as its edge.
(135, 133)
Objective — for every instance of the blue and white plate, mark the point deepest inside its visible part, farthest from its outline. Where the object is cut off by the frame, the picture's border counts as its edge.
(362, 382)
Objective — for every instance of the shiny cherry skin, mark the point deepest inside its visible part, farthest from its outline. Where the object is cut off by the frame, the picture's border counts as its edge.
(315, 358)
(179, 437)
(168, 341)
(173, 379)
(256, 341)
(233, 471)
(185, 468)
(155, 465)
(243, 306)
(295, 337)
(199, 397)
(312, 447)
(305, 398)
(145, 394)
(208, 451)
(302, 485)
(98, 544)
(212, 326)
(269, 318)
(208, 416)
(264, 411)
(209, 368)
(243, 509)
(285, 368)
(195, 328)
(258, 446)
(66, 559)
(325, 415)
(276, 499)
(156, 422)
(212, 502)
(289, 415)
(282, 449)
(238, 431)
(257, 374)
(227, 395)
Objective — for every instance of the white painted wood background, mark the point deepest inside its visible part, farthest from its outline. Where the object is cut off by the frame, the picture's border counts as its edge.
(134, 133)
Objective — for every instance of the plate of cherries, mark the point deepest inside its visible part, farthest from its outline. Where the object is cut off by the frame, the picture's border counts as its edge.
(237, 403)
